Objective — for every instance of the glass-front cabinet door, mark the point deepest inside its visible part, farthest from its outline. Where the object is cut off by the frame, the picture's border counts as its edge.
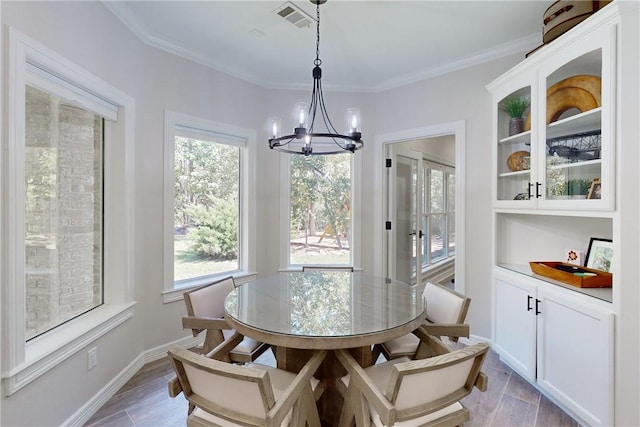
(514, 160)
(577, 153)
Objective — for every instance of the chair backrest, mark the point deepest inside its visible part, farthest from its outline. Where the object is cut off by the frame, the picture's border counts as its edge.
(444, 305)
(325, 268)
(227, 391)
(208, 300)
(421, 387)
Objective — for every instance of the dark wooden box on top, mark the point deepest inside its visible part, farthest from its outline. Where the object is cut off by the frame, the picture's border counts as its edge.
(563, 15)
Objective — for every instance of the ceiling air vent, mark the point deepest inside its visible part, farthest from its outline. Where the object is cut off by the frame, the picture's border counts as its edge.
(295, 15)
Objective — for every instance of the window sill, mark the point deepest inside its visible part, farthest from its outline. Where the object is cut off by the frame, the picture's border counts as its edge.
(49, 350)
(175, 294)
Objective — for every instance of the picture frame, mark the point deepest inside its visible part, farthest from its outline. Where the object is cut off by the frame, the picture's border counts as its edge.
(594, 189)
(600, 254)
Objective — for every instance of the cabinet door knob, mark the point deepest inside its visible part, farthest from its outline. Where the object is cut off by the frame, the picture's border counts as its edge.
(529, 298)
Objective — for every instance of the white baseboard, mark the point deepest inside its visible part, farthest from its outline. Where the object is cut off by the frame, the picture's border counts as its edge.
(82, 415)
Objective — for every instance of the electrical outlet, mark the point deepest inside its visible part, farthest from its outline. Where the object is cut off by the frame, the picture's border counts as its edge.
(92, 358)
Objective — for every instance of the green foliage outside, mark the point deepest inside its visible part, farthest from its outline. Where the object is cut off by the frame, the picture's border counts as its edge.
(215, 231)
(320, 201)
(206, 206)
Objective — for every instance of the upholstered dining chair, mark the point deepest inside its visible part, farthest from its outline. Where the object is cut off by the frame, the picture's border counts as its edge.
(446, 311)
(403, 392)
(224, 394)
(325, 268)
(205, 312)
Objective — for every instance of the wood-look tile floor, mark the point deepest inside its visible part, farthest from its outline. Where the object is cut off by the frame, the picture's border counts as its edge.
(509, 400)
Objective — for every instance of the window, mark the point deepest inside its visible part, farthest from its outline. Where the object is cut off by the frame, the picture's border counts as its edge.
(320, 210)
(439, 213)
(63, 151)
(67, 222)
(207, 192)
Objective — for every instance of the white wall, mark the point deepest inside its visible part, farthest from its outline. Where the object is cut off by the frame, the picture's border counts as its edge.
(87, 34)
(456, 96)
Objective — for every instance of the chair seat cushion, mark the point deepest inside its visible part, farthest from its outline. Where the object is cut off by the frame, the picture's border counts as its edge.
(247, 345)
(406, 344)
(379, 374)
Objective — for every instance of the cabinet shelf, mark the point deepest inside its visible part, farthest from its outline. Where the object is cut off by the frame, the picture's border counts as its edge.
(583, 122)
(510, 174)
(604, 294)
(574, 164)
(519, 138)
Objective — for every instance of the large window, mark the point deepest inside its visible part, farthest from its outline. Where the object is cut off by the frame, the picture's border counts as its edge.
(320, 207)
(207, 203)
(206, 186)
(63, 151)
(438, 214)
(67, 217)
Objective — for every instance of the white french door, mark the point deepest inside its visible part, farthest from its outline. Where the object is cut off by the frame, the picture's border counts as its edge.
(404, 175)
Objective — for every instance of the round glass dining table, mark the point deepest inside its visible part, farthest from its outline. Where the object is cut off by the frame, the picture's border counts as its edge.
(300, 312)
(324, 309)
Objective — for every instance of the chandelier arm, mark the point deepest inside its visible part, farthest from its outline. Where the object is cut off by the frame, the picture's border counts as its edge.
(323, 111)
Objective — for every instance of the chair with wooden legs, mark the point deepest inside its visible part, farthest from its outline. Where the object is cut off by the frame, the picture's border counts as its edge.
(205, 312)
(224, 394)
(403, 392)
(446, 311)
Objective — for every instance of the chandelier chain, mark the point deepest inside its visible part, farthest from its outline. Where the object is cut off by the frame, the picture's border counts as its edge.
(317, 62)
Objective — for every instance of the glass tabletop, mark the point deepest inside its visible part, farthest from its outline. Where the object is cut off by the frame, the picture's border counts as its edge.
(324, 304)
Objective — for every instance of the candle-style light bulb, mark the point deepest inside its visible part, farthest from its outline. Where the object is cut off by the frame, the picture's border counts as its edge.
(300, 114)
(354, 121)
(274, 127)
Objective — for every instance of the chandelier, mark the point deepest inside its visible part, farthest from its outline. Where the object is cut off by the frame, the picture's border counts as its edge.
(305, 139)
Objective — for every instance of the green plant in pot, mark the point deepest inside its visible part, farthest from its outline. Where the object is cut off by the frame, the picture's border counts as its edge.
(515, 107)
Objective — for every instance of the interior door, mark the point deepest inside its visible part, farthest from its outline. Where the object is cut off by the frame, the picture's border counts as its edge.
(404, 206)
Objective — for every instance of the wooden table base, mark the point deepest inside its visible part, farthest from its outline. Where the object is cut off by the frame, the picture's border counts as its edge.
(330, 403)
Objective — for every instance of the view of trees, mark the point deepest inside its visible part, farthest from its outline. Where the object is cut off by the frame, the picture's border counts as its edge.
(207, 199)
(206, 207)
(320, 204)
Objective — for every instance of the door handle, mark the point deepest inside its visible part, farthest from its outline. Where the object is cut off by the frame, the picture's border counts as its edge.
(420, 234)
(529, 298)
(537, 306)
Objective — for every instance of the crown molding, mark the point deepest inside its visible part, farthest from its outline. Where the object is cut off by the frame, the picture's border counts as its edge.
(140, 30)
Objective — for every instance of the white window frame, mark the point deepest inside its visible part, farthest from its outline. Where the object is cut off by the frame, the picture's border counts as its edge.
(182, 124)
(33, 63)
(356, 212)
(428, 166)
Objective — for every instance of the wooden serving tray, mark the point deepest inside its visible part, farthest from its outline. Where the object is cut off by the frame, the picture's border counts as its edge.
(549, 269)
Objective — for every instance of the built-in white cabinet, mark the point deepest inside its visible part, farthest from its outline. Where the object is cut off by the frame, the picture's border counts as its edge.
(554, 187)
(559, 340)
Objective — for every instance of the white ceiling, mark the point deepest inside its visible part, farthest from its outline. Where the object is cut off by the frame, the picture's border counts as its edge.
(365, 45)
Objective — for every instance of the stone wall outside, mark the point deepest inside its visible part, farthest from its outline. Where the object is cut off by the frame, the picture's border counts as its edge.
(63, 230)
